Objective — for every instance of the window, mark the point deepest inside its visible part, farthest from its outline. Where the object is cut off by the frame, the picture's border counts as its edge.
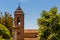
(18, 21)
(18, 33)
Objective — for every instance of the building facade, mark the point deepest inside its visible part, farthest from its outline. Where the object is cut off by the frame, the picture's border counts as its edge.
(19, 32)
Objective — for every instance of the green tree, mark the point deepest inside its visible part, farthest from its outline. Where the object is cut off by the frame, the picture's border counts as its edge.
(7, 21)
(4, 32)
(49, 25)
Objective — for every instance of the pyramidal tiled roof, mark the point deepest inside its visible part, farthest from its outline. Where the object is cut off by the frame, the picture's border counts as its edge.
(18, 10)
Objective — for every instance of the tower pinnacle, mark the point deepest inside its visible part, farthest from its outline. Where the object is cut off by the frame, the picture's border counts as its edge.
(18, 9)
(19, 4)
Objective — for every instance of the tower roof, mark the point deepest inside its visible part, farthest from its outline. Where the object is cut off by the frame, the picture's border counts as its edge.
(18, 10)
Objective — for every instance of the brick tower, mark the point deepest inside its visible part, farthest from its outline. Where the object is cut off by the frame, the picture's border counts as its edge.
(19, 23)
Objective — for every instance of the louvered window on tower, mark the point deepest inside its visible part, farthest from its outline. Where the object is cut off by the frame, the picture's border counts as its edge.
(18, 21)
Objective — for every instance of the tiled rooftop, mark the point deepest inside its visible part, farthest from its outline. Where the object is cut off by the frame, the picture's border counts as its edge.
(30, 38)
(31, 31)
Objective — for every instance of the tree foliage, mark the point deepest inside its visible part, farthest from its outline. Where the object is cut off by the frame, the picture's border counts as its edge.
(7, 21)
(49, 25)
(4, 32)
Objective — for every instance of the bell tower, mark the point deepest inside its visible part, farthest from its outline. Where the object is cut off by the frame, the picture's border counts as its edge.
(19, 23)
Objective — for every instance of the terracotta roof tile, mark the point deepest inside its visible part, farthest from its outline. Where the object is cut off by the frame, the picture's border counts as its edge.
(30, 38)
(31, 31)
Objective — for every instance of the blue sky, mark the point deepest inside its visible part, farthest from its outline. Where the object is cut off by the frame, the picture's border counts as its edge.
(31, 8)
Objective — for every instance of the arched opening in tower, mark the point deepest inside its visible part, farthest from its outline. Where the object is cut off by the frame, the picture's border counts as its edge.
(18, 21)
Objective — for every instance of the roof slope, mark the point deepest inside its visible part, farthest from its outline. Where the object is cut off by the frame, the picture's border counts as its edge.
(31, 31)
